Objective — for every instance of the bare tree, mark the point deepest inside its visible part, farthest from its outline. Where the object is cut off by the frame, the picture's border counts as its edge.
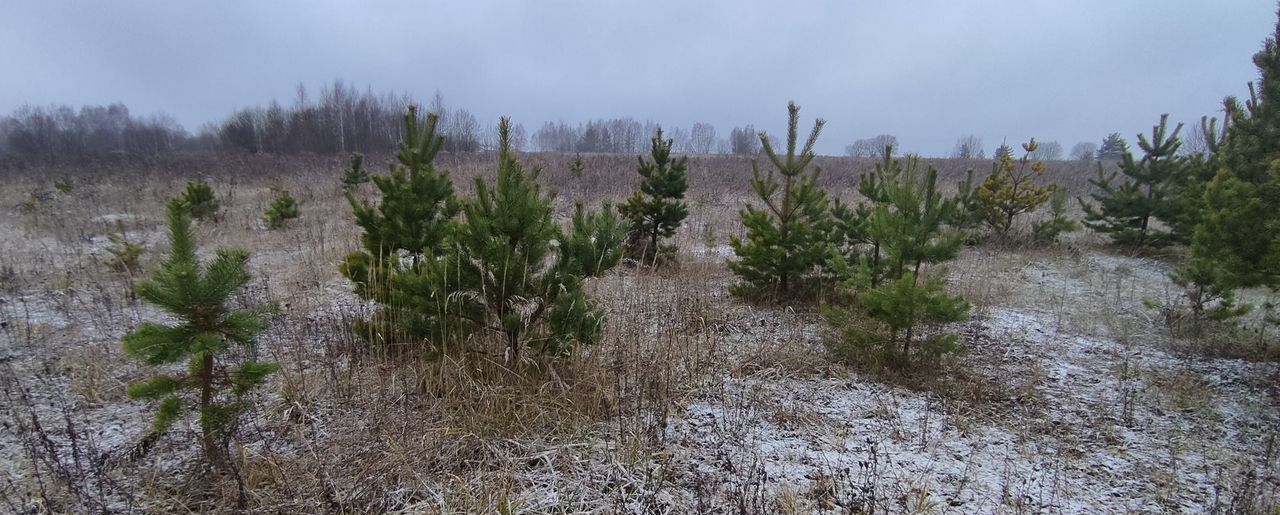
(1084, 151)
(462, 132)
(6, 128)
(34, 133)
(98, 129)
(1203, 137)
(680, 142)
(969, 147)
(879, 147)
(60, 132)
(702, 139)
(151, 137)
(744, 140)
(240, 131)
(1047, 151)
(556, 137)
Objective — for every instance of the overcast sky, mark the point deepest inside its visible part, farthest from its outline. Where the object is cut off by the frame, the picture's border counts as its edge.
(926, 71)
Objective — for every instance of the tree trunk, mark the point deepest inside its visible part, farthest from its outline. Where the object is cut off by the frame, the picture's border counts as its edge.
(212, 449)
(653, 245)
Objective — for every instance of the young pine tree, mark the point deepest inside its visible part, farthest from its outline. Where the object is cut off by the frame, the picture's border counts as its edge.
(1113, 147)
(520, 284)
(283, 209)
(216, 341)
(1184, 197)
(852, 237)
(413, 218)
(1239, 228)
(911, 224)
(787, 240)
(403, 237)
(1058, 222)
(577, 167)
(200, 201)
(1011, 189)
(658, 208)
(968, 215)
(1004, 151)
(1126, 211)
(355, 175)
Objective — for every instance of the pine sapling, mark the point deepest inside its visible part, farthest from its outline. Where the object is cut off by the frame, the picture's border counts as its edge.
(968, 216)
(524, 287)
(787, 239)
(355, 175)
(1058, 222)
(1011, 189)
(1239, 227)
(577, 167)
(409, 228)
(283, 209)
(910, 222)
(1004, 151)
(199, 198)
(1127, 211)
(64, 186)
(852, 236)
(657, 209)
(1209, 290)
(216, 340)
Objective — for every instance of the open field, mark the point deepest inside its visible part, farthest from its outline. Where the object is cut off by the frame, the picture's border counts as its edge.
(1073, 396)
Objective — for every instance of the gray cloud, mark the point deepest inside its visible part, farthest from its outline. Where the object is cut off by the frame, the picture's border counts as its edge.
(924, 70)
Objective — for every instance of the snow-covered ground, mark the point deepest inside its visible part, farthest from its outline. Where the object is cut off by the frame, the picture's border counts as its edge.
(1070, 398)
(1091, 420)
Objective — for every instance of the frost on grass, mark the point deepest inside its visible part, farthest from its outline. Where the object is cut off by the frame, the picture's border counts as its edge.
(1083, 411)
(1121, 428)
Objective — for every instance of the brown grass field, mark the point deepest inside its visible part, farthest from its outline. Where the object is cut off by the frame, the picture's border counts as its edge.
(1073, 396)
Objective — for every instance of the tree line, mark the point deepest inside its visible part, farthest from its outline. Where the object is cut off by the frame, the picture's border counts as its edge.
(54, 133)
(339, 119)
(343, 119)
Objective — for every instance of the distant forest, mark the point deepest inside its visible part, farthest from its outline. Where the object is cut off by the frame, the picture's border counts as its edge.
(339, 119)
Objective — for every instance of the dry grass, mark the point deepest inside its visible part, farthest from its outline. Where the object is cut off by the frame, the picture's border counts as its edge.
(614, 428)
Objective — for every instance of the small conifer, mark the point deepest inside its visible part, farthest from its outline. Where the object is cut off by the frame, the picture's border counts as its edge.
(1239, 227)
(1113, 147)
(283, 209)
(208, 335)
(577, 167)
(1004, 151)
(413, 218)
(910, 222)
(200, 200)
(64, 186)
(1058, 222)
(853, 238)
(355, 175)
(1011, 189)
(968, 215)
(1127, 211)
(524, 285)
(786, 240)
(656, 210)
